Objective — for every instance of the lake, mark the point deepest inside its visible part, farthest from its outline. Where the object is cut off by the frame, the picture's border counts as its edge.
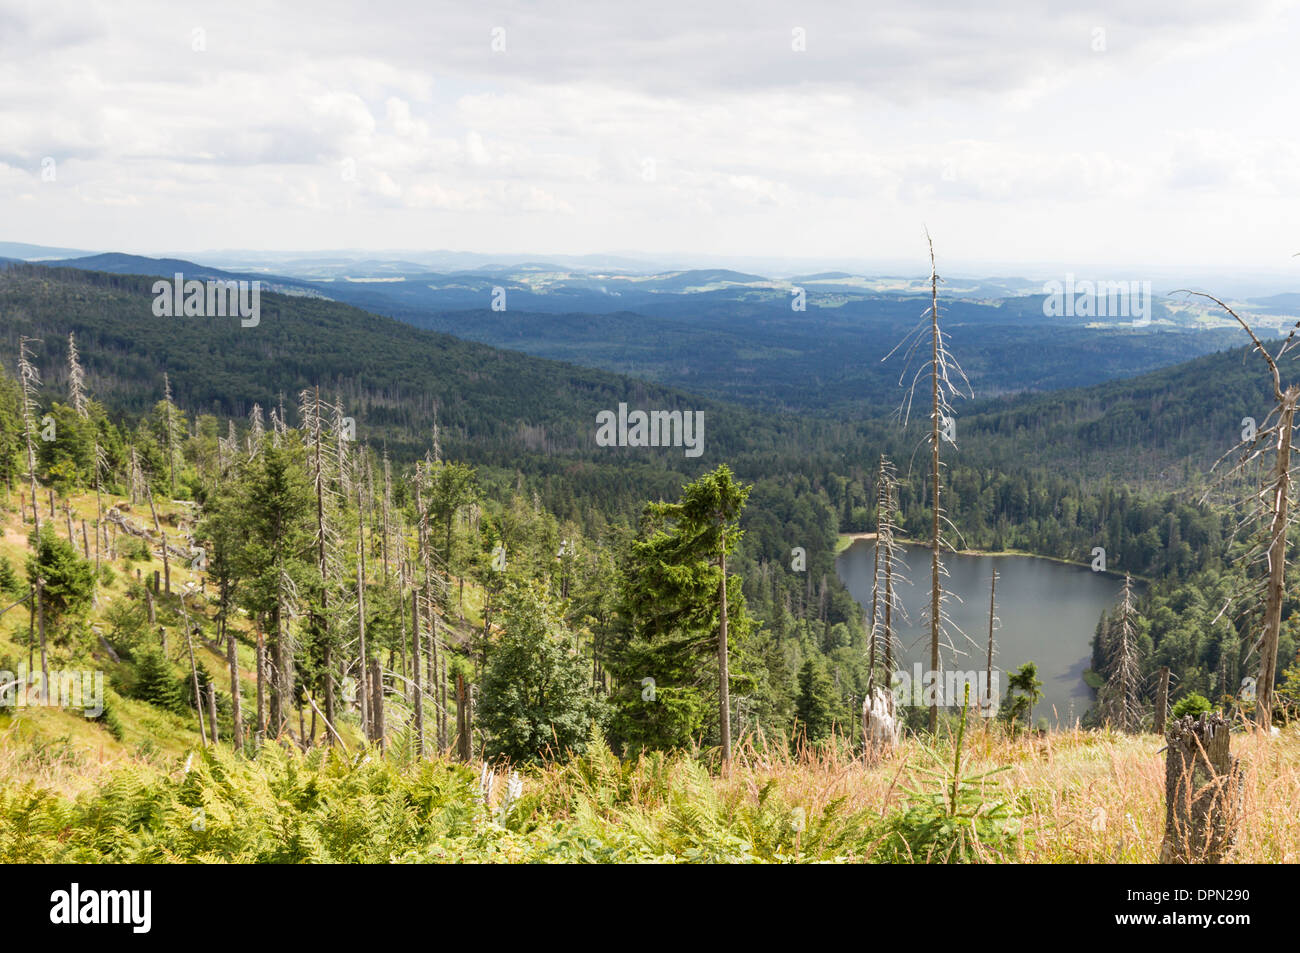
(1047, 614)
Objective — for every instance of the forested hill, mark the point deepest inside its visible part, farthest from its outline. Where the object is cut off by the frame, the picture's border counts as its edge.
(492, 407)
(1161, 429)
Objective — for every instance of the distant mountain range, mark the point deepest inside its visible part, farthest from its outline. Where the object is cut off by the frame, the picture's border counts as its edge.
(513, 410)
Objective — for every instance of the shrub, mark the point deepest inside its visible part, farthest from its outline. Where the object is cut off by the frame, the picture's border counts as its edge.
(1194, 705)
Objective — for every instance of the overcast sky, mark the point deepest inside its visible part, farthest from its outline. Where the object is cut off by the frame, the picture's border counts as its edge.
(1117, 132)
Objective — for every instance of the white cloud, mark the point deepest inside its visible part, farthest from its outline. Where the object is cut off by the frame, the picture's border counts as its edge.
(672, 126)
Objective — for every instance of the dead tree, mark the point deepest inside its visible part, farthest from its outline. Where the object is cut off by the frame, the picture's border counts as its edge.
(418, 704)
(464, 721)
(988, 702)
(236, 708)
(377, 703)
(328, 559)
(1121, 696)
(1162, 702)
(29, 379)
(885, 602)
(947, 381)
(1272, 509)
(1203, 791)
(169, 409)
(212, 713)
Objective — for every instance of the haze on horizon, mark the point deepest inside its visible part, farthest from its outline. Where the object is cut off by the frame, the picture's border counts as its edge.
(1093, 134)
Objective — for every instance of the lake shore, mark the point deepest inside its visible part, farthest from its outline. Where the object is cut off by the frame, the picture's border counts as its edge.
(845, 540)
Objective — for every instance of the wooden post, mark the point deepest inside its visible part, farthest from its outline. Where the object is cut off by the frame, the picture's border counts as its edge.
(1203, 791)
(51, 504)
(155, 582)
(1162, 702)
(85, 540)
(167, 568)
(162, 635)
(148, 598)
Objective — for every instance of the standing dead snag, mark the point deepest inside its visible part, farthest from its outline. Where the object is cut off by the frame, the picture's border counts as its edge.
(880, 724)
(1274, 501)
(988, 703)
(1121, 700)
(29, 379)
(1162, 702)
(945, 374)
(1203, 791)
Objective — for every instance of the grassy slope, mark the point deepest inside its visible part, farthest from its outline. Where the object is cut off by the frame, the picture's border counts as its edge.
(1085, 796)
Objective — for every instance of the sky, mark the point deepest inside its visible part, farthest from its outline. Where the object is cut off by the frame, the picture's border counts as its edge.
(1159, 134)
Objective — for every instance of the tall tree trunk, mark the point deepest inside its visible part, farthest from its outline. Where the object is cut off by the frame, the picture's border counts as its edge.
(261, 684)
(278, 716)
(1281, 492)
(198, 696)
(415, 668)
(724, 687)
(1162, 702)
(236, 706)
(935, 591)
(212, 713)
(366, 727)
(377, 703)
(40, 626)
(464, 740)
(987, 705)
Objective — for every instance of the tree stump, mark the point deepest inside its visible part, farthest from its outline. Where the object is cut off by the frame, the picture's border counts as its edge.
(1203, 791)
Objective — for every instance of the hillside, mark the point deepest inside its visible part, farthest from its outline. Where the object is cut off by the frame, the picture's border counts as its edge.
(734, 337)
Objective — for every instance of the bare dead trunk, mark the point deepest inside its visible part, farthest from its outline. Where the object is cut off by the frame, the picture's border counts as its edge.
(1281, 492)
(464, 740)
(236, 706)
(261, 685)
(212, 713)
(40, 626)
(724, 688)
(988, 666)
(415, 655)
(935, 591)
(1203, 792)
(377, 703)
(198, 696)
(1162, 702)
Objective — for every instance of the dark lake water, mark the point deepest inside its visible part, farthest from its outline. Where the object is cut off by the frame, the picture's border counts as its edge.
(1047, 613)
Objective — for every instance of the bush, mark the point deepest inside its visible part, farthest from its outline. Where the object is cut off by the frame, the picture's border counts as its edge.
(1194, 705)
(155, 683)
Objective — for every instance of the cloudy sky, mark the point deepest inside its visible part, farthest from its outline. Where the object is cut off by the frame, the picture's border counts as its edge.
(1154, 133)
